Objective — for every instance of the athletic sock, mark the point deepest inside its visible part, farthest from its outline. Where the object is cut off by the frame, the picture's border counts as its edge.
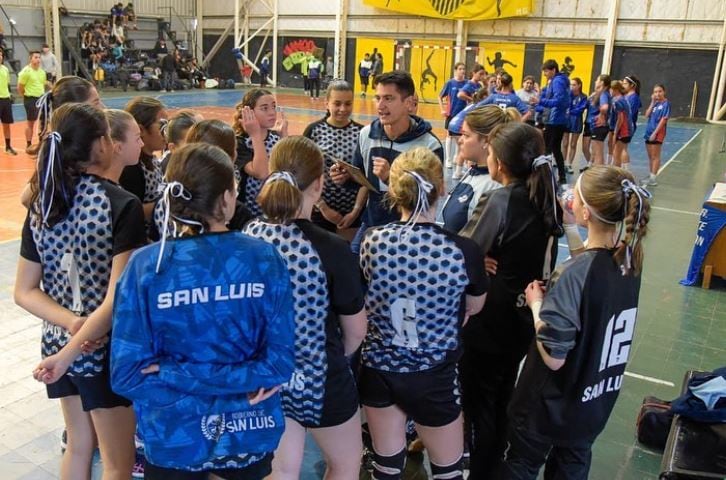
(27, 144)
(626, 166)
(457, 170)
(7, 143)
(454, 471)
(388, 468)
(449, 152)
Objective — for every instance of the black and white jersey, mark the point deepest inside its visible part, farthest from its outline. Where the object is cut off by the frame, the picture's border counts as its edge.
(326, 283)
(418, 278)
(250, 187)
(589, 314)
(76, 256)
(337, 143)
(508, 227)
(145, 179)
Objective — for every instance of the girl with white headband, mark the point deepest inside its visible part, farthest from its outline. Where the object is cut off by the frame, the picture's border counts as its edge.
(584, 326)
(516, 227)
(203, 332)
(423, 284)
(330, 321)
(80, 231)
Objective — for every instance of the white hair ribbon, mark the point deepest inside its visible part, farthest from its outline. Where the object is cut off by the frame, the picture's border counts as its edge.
(45, 109)
(630, 188)
(173, 190)
(548, 161)
(45, 175)
(284, 176)
(424, 187)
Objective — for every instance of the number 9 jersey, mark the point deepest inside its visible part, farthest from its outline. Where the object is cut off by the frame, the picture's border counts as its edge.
(418, 277)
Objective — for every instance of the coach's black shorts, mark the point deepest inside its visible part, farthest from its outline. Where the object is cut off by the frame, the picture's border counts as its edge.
(31, 110)
(599, 134)
(430, 398)
(6, 111)
(95, 392)
(256, 471)
(624, 139)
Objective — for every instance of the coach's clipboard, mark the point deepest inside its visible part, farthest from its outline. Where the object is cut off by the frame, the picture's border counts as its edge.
(356, 174)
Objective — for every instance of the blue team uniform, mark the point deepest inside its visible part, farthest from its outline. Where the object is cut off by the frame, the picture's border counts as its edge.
(471, 87)
(621, 111)
(218, 320)
(450, 90)
(660, 111)
(505, 100)
(595, 119)
(635, 104)
(578, 104)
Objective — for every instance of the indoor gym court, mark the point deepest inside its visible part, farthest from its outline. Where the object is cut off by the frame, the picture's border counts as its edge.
(679, 328)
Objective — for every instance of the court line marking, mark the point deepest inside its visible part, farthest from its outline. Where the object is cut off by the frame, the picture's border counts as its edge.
(3, 242)
(674, 210)
(649, 379)
(678, 152)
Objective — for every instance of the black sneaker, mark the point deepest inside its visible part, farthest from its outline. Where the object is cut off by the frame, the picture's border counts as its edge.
(569, 170)
(10, 151)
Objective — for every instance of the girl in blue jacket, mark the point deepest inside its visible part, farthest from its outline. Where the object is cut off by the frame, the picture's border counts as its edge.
(578, 104)
(203, 332)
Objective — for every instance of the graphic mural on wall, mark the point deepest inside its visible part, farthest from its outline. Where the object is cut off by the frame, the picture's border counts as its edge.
(458, 9)
(372, 55)
(297, 52)
(574, 61)
(508, 56)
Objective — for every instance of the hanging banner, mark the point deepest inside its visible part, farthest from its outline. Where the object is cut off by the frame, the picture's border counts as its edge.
(508, 56)
(431, 67)
(372, 46)
(574, 61)
(458, 9)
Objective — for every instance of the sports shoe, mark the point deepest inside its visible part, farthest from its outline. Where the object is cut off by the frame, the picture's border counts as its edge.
(585, 168)
(649, 182)
(10, 151)
(64, 441)
(569, 169)
(138, 470)
(33, 149)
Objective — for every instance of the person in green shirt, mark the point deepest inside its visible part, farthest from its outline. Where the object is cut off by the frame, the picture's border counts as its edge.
(6, 104)
(31, 85)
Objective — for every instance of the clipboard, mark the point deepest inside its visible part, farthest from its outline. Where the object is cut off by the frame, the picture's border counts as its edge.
(356, 174)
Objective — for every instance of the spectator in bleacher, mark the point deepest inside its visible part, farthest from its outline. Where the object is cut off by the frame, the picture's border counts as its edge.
(117, 11)
(169, 65)
(117, 30)
(130, 15)
(160, 48)
(49, 63)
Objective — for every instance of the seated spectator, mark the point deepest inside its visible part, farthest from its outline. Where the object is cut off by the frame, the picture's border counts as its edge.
(130, 15)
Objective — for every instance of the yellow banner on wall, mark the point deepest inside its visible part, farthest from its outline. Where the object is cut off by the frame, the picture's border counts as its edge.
(509, 56)
(574, 61)
(430, 67)
(385, 46)
(458, 9)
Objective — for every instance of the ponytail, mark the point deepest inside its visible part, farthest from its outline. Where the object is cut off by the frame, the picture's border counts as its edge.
(629, 252)
(519, 147)
(295, 162)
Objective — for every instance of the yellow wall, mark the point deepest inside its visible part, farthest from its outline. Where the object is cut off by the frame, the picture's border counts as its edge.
(581, 60)
(511, 52)
(431, 68)
(386, 46)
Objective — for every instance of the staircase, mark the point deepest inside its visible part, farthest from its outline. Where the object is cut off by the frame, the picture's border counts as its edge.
(9, 48)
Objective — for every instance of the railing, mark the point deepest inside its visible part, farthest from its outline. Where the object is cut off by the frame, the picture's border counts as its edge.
(191, 37)
(13, 34)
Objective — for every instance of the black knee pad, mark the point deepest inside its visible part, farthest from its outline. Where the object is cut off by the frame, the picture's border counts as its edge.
(455, 471)
(389, 468)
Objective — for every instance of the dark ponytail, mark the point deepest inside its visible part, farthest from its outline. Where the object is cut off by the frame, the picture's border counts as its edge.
(516, 146)
(64, 155)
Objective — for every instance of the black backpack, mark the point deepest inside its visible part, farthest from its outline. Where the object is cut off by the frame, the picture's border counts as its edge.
(654, 423)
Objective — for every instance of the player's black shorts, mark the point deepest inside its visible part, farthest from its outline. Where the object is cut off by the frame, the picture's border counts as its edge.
(255, 471)
(624, 139)
(6, 111)
(586, 132)
(447, 121)
(364, 80)
(430, 398)
(31, 111)
(95, 391)
(599, 134)
(653, 142)
(340, 401)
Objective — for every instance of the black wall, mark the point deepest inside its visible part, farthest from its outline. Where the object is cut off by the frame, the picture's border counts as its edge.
(675, 68)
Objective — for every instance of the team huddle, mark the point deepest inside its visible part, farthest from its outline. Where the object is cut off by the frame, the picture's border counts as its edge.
(218, 302)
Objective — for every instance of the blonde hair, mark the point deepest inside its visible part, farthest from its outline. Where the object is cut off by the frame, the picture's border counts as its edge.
(303, 160)
(483, 119)
(602, 190)
(617, 86)
(404, 190)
